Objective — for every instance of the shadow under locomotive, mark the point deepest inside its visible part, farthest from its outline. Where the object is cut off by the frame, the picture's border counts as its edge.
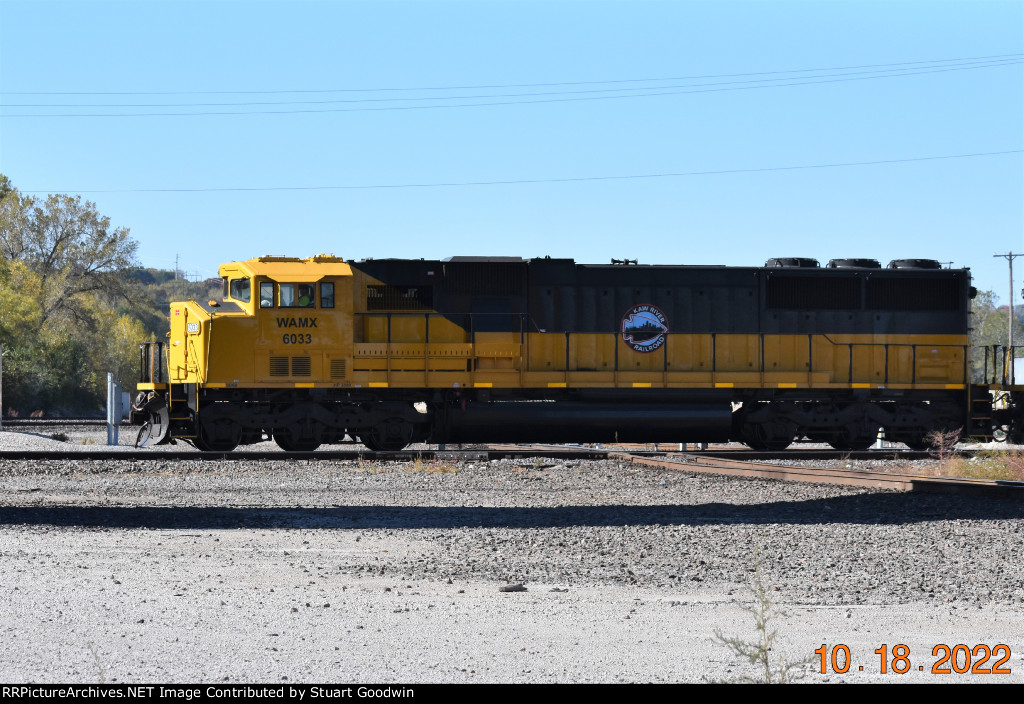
(862, 509)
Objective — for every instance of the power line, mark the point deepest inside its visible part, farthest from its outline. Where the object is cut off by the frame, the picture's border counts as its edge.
(659, 91)
(539, 180)
(520, 85)
(772, 82)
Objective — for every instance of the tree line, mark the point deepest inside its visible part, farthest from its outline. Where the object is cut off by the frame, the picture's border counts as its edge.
(75, 304)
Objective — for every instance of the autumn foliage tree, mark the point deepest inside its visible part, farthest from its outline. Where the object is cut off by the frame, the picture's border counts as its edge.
(63, 279)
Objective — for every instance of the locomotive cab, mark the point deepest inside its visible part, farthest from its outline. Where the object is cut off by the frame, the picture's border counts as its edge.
(284, 324)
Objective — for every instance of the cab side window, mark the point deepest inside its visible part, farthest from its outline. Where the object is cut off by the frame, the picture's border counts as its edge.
(327, 295)
(266, 294)
(297, 295)
(239, 289)
(287, 292)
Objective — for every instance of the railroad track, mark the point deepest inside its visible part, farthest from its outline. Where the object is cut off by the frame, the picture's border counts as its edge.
(733, 451)
(495, 452)
(191, 454)
(743, 463)
(737, 463)
(51, 422)
(491, 452)
(898, 481)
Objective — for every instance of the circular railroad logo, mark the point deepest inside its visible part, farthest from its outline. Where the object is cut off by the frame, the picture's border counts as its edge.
(644, 328)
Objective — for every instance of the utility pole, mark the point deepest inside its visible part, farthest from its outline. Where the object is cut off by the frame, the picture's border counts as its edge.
(1009, 257)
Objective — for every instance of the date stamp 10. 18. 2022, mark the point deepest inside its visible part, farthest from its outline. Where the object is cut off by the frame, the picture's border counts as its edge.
(958, 659)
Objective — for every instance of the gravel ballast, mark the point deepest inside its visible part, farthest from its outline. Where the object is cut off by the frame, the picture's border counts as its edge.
(302, 571)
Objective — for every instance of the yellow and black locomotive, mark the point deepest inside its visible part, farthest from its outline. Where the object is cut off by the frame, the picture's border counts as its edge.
(502, 349)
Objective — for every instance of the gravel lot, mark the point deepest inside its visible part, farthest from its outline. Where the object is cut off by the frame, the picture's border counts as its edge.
(289, 570)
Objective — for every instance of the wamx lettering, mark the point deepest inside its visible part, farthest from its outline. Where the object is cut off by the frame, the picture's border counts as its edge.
(296, 322)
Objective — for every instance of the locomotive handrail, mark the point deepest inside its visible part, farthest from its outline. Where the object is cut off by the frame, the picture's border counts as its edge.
(913, 347)
(1005, 377)
(151, 358)
(474, 321)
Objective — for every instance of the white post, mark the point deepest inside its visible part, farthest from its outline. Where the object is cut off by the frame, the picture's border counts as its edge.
(1010, 259)
(113, 409)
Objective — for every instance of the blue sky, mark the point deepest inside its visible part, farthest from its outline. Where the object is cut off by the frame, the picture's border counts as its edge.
(344, 117)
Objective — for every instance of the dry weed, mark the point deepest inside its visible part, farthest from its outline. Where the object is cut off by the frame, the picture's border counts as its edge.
(433, 467)
(990, 464)
(758, 651)
(943, 443)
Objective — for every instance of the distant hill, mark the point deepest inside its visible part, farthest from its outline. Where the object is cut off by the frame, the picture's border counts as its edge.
(159, 287)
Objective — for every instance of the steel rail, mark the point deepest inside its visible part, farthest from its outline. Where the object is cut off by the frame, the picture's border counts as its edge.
(821, 475)
(726, 463)
(49, 422)
(483, 452)
(152, 455)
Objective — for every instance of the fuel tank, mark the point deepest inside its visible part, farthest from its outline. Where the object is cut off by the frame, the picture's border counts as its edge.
(576, 422)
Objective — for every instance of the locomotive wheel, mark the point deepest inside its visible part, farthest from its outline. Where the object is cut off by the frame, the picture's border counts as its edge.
(390, 436)
(374, 444)
(291, 441)
(851, 438)
(917, 443)
(218, 445)
(857, 444)
(217, 434)
(773, 445)
(765, 437)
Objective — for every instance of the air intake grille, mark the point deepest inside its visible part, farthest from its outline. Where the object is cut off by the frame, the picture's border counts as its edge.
(337, 368)
(486, 278)
(300, 366)
(813, 293)
(913, 294)
(278, 366)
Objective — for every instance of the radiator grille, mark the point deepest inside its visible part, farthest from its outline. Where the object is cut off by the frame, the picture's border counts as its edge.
(913, 294)
(486, 278)
(813, 293)
(300, 366)
(278, 366)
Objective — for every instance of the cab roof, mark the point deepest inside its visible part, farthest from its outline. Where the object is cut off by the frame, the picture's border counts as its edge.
(279, 268)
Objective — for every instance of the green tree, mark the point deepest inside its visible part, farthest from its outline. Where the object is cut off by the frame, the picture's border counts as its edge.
(74, 251)
(990, 326)
(113, 346)
(14, 212)
(20, 313)
(63, 273)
